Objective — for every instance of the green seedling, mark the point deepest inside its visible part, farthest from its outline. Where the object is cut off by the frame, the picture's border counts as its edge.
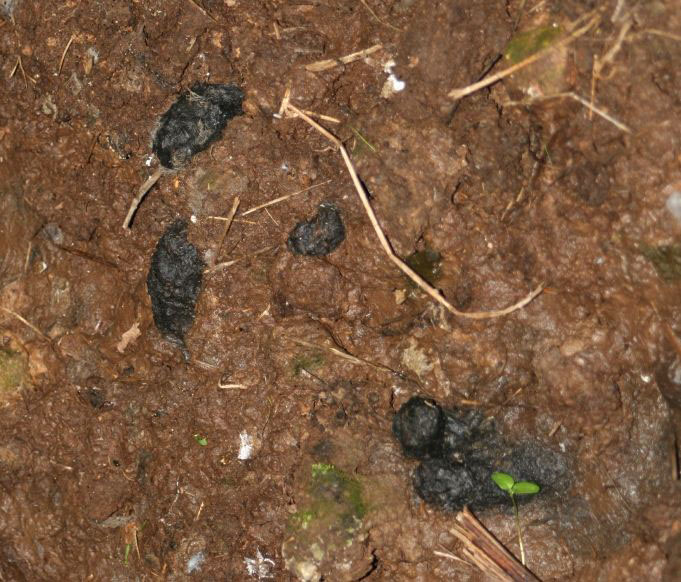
(506, 483)
(203, 441)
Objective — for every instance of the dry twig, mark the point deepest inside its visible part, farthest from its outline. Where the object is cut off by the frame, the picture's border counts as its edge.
(202, 10)
(26, 323)
(571, 95)
(144, 188)
(486, 552)
(487, 81)
(14, 69)
(340, 354)
(245, 257)
(424, 285)
(352, 57)
(228, 224)
(63, 56)
(607, 59)
(364, 3)
(282, 198)
(662, 33)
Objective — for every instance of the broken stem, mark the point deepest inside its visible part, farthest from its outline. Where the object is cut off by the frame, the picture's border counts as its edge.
(144, 188)
(434, 293)
(26, 323)
(63, 56)
(459, 93)
(228, 224)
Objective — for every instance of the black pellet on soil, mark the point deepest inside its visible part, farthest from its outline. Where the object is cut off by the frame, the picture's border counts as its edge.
(320, 235)
(194, 121)
(459, 450)
(451, 485)
(419, 426)
(174, 282)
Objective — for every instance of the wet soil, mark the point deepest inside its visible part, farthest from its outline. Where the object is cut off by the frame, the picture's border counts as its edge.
(122, 460)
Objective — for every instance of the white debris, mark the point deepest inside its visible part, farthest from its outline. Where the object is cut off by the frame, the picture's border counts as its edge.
(397, 84)
(393, 84)
(673, 204)
(93, 53)
(129, 337)
(194, 563)
(246, 447)
(259, 567)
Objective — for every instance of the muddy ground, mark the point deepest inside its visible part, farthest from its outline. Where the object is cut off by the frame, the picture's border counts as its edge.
(120, 460)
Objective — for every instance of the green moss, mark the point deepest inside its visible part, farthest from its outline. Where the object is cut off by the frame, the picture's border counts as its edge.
(426, 264)
(302, 519)
(666, 259)
(329, 479)
(321, 469)
(333, 501)
(13, 368)
(307, 362)
(524, 44)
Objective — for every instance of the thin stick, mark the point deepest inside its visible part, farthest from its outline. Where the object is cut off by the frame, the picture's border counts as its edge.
(14, 70)
(579, 99)
(325, 132)
(198, 513)
(285, 100)
(597, 111)
(24, 75)
(228, 224)
(331, 63)
(26, 323)
(459, 93)
(232, 386)
(322, 117)
(662, 33)
(63, 55)
(485, 551)
(607, 59)
(377, 18)
(450, 556)
(282, 198)
(340, 354)
(434, 293)
(144, 188)
(28, 256)
(202, 10)
(234, 261)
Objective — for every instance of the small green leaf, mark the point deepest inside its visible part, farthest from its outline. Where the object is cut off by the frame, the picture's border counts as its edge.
(127, 553)
(203, 441)
(503, 480)
(525, 488)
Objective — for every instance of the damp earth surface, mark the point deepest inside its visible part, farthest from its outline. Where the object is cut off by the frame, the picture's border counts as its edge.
(268, 446)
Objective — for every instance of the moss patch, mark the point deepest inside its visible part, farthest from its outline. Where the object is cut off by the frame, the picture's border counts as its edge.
(309, 362)
(334, 502)
(524, 44)
(13, 368)
(426, 264)
(666, 259)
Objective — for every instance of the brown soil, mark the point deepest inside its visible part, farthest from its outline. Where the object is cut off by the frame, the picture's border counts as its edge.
(120, 461)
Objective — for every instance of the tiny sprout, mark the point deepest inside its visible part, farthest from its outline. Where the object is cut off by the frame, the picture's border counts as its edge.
(507, 483)
(203, 441)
